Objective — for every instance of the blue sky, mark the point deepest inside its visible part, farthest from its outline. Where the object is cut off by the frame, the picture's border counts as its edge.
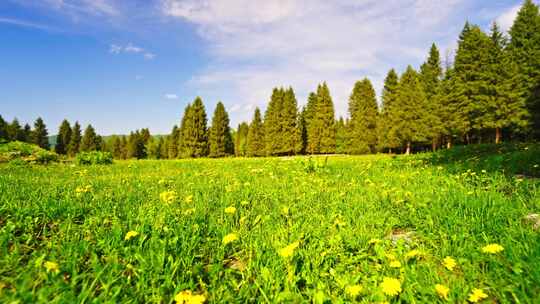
(123, 65)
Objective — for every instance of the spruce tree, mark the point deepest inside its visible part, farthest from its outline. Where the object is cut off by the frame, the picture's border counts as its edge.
(272, 123)
(302, 129)
(116, 147)
(27, 133)
(342, 136)
(89, 141)
(240, 140)
(255, 137)
(75, 141)
(505, 106)
(290, 136)
(124, 144)
(173, 143)
(15, 132)
(40, 134)
(387, 131)
(219, 137)
(431, 76)
(194, 135)
(145, 135)
(321, 128)
(135, 145)
(524, 49)
(3, 129)
(411, 123)
(363, 111)
(164, 148)
(63, 137)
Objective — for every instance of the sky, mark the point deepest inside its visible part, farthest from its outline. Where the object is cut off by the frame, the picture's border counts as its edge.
(122, 65)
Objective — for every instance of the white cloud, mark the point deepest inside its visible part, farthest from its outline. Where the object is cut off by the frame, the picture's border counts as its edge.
(82, 8)
(130, 48)
(506, 20)
(171, 96)
(256, 45)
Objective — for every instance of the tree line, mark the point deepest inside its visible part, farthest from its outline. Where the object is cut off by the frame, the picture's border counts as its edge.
(490, 90)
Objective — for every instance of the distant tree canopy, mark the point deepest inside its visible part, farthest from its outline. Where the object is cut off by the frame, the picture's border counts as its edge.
(489, 92)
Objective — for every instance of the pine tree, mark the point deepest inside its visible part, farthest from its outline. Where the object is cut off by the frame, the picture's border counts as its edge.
(240, 140)
(116, 147)
(255, 137)
(342, 136)
(194, 135)
(291, 142)
(40, 134)
(124, 144)
(411, 123)
(164, 150)
(321, 128)
(3, 129)
(63, 137)
(75, 141)
(302, 129)
(505, 106)
(173, 143)
(387, 131)
(145, 135)
(89, 141)
(363, 111)
(431, 75)
(219, 137)
(524, 49)
(15, 132)
(27, 133)
(135, 145)
(272, 123)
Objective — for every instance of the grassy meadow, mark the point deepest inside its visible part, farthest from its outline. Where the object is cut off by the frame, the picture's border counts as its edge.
(339, 229)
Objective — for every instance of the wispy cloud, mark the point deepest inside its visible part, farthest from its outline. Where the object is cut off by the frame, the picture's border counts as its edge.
(506, 19)
(27, 24)
(170, 96)
(256, 45)
(130, 48)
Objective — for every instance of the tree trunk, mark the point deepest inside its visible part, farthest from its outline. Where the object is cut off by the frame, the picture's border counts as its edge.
(467, 139)
(408, 150)
(434, 145)
(390, 151)
(498, 135)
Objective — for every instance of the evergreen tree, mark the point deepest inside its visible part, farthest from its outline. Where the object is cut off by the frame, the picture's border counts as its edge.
(431, 76)
(272, 123)
(524, 49)
(27, 133)
(194, 135)
(240, 140)
(124, 144)
(89, 141)
(505, 106)
(363, 111)
(145, 135)
(135, 145)
(15, 132)
(219, 137)
(75, 141)
(173, 143)
(164, 148)
(116, 147)
(255, 137)
(302, 129)
(290, 135)
(411, 114)
(342, 136)
(321, 128)
(3, 129)
(153, 147)
(63, 137)
(387, 131)
(40, 134)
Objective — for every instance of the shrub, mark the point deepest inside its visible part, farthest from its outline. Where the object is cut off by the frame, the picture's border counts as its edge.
(94, 158)
(26, 152)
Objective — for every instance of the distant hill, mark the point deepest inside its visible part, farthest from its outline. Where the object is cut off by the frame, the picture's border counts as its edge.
(52, 138)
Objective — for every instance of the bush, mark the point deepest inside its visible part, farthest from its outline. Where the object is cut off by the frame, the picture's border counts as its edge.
(26, 152)
(94, 158)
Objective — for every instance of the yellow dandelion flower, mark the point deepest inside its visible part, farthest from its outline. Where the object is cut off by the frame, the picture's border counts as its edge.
(477, 295)
(492, 248)
(244, 203)
(187, 297)
(229, 238)
(188, 199)
(449, 263)
(391, 286)
(353, 290)
(413, 253)
(395, 264)
(131, 234)
(374, 241)
(167, 197)
(288, 251)
(285, 211)
(442, 291)
(390, 256)
(230, 210)
(51, 267)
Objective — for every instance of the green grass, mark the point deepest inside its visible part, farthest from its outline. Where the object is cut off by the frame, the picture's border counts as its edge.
(332, 208)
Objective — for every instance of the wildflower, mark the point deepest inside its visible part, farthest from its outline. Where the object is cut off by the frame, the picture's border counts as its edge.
(188, 199)
(492, 248)
(167, 196)
(288, 251)
(82, 190)
(353, 290)
(285, 211)
(391, 286)
(442, 291)
(51, 267)
(374, 241)
(449, 263)
(189, 211)
(244, 203)
(477, 295)
(229, 238)
(395, 264)
(230, 210)
(131, 234)
(187, 297)
(413, 253)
